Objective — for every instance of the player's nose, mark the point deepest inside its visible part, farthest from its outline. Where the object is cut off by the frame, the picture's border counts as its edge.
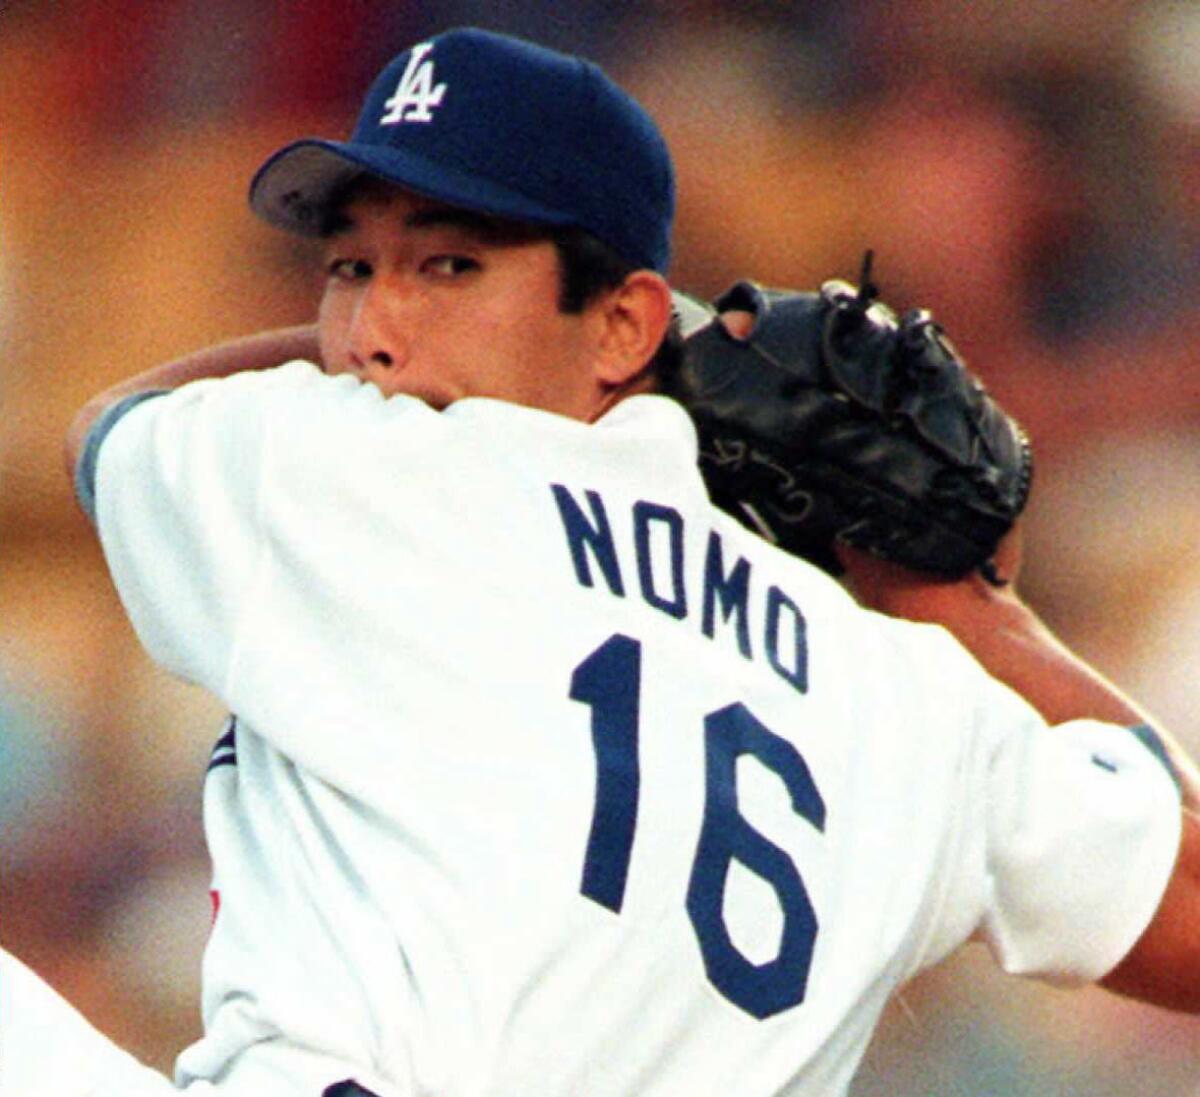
(378, 339)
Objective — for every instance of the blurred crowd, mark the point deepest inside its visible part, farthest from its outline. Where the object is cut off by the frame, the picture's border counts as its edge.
(1030, 173)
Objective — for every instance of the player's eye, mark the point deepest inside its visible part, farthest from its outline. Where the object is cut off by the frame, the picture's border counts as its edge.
(348, 270)
(448, 266)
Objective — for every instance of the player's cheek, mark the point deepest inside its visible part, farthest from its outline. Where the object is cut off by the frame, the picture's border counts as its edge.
(334, 315)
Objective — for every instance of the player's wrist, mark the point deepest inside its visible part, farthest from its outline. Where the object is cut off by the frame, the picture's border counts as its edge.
(898, 591)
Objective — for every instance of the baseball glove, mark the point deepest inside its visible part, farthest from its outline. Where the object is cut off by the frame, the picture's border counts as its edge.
(837, 421)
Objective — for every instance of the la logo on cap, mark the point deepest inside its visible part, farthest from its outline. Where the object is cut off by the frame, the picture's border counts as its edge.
(416, 94)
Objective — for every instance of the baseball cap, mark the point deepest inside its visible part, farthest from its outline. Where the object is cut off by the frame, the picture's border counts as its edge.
(498, 125)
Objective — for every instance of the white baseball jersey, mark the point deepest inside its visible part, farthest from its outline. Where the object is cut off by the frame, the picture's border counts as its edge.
(548, 778)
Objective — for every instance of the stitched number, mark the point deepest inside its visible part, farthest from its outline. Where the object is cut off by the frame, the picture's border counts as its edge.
(609, 682)
(760, 989)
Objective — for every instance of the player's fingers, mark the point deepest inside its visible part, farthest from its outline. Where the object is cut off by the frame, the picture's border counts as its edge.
(738, 323)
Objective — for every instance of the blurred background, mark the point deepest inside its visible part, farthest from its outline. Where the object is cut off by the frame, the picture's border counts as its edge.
(1031, 172)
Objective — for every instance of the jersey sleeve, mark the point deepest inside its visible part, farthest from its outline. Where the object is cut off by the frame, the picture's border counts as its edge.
(177, 492)
(1050, 844)
(85, 472)
(1081, 832)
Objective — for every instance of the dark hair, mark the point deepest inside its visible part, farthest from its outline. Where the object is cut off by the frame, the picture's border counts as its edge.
(588, 267)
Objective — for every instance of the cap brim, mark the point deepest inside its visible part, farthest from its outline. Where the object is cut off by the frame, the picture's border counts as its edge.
(294, 188)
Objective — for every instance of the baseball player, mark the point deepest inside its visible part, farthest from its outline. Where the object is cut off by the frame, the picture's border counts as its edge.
(547, 776)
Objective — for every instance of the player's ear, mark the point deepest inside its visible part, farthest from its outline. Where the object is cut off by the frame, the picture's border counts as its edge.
(631, 321)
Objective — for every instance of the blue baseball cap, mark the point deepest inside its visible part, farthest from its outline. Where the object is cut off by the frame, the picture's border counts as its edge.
(495, 124)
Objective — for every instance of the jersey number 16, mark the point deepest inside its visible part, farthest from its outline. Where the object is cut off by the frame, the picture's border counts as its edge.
(609, 682)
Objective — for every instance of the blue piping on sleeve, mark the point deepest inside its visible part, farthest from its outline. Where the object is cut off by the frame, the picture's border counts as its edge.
(1148, 737)
(85, 471)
